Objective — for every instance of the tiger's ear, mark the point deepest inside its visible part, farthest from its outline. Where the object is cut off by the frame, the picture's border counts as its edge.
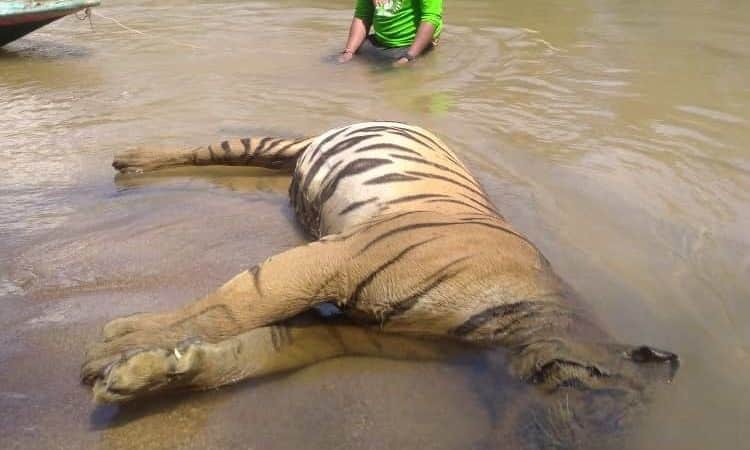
(655, 359)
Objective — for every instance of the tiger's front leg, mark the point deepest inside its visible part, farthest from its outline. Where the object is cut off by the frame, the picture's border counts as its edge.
(281, 287)
(197, 365)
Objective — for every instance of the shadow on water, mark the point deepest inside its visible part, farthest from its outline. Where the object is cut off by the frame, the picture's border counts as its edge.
(240, 179)
(104, 417)
(42, 49)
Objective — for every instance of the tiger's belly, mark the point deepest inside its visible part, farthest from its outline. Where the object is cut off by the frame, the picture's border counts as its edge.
(353, 174)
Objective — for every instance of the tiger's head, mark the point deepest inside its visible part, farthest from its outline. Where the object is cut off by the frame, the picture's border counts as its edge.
(591, 393)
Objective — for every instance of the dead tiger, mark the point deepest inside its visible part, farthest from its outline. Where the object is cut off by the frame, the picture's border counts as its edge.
(407, 243)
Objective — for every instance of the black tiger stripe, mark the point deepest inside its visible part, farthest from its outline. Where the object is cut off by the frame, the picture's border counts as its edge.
(255, 270)
(401, 229)
(357, 205)
(449, 180)
(390, 178)
(401, 130)
(294, 194)
(227, 150)
(292, 144)
(439, 277)
(384, 147)
(262, 144)
(322, 144)
(457, 202)
(227, 312)
(409, 198)
(356, 167)
(517, 316)
(370, 129)
(246, 152)
(476, 321)
(408, 133)
(274, 143)
(511, 329)
(420, 134)
(415, 226)
(436, 145)
(438, 166)
(505, 229)
(327, 139)
(332, 171)
(408, 303)
(352, 302)
(333, 151)
(488, 206)
(475, 216)
(379, 221)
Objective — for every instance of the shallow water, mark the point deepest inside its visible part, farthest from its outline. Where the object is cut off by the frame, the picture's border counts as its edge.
(613, 134)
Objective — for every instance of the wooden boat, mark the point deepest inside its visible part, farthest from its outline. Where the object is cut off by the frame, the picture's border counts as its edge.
(18, 18)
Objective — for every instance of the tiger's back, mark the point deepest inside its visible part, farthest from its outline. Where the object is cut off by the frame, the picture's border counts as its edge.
(353, 174)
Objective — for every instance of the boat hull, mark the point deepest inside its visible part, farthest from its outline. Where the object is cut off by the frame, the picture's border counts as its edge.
(9, 33)
(22, 20)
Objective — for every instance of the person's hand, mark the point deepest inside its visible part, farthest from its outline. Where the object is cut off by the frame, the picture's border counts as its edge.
(378, 3)
(401, 62)
(405, 59)
(346, 56)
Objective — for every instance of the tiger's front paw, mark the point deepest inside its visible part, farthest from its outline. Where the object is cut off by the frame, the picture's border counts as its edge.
(121, 326)
(141, 373)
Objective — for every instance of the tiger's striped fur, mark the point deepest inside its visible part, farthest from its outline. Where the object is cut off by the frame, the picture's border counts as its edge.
(407, 243)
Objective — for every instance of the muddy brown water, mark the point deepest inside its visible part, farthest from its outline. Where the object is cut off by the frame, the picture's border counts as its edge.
(613, 134)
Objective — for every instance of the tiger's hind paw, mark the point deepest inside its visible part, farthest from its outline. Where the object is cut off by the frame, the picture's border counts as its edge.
(145, 372)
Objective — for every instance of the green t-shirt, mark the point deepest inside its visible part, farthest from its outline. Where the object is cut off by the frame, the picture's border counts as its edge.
(396, 22)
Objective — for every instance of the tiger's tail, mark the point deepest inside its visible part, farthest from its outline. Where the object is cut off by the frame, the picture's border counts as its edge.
(267, 152)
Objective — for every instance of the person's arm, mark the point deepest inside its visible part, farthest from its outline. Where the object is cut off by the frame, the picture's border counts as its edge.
(432, 13)
(357, 34)
(359, 28)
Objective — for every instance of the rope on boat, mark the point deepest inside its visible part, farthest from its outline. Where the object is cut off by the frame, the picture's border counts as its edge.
(88, 13)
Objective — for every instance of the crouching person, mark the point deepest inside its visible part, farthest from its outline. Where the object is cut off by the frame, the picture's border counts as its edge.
(402, 29)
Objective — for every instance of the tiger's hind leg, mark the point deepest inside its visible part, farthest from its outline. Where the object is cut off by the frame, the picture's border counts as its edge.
(196, 365)
(271, 153)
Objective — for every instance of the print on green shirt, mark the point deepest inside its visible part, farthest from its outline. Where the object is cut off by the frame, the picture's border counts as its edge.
(389, 8)
(395, 23)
